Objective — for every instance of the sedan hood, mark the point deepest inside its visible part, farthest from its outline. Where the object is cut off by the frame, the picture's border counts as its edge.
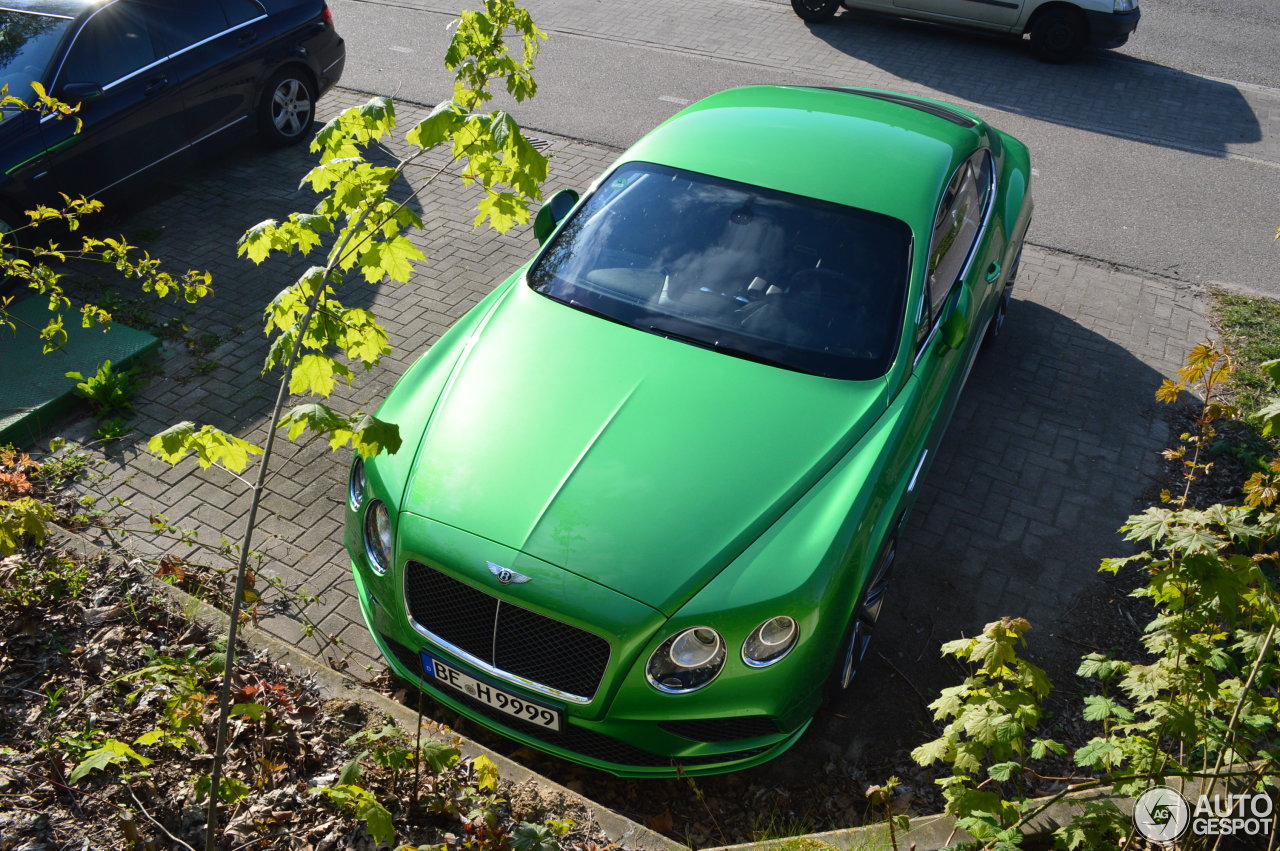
(638, 462)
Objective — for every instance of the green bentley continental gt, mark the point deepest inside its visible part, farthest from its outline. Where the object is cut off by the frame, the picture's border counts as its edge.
(650, 488)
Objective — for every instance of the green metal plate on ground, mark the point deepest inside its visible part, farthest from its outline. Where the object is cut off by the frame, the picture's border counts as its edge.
(34, 388)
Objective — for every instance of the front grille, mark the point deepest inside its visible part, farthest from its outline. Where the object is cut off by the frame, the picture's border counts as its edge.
(722, 729)
(508, 637)
(576, 739)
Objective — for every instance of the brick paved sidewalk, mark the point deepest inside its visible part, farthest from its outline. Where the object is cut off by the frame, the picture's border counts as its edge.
(1055, 437)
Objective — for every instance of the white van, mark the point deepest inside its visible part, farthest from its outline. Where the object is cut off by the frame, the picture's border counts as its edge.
(1059, 29)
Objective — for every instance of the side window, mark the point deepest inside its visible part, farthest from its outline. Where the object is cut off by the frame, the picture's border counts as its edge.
(239, 11)
(112, 44)
(177, 25)
(956, 227)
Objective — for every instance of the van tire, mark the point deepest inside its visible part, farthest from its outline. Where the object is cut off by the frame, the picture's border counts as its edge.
(1059, 35)
(816, 11)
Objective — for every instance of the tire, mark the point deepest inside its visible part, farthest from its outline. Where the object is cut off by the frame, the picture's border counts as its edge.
(287, 107)
(816, 11)
(996, 326)
(857, 637)
(1059, 35)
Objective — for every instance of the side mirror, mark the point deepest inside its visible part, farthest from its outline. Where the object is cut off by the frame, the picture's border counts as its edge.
(553, 213)
(80, 92)
(955, 325)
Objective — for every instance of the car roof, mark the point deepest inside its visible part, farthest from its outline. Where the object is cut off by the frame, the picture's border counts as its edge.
(878, 151)
(65, 8)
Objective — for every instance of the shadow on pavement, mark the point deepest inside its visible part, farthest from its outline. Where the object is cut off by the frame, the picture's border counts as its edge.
(1053, 444)
(1101, 91)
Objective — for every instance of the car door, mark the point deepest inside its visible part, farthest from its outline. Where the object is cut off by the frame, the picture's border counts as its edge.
(997, 14)
(208, 46)
(956, 282)
(131, 106)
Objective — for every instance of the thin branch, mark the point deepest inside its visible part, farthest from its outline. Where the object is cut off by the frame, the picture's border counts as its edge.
(237, 600)
(153, 820)
(62, 785)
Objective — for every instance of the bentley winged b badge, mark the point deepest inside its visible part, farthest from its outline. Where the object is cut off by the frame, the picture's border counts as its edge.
(506, 575)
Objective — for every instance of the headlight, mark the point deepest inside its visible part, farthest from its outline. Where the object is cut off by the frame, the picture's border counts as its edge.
(686, 661)
(356, 485)
(770, 641)
(377, 536)
(1125, 5)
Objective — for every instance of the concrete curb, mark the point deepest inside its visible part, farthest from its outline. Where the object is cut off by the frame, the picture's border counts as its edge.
(335, 685)
(932, 832)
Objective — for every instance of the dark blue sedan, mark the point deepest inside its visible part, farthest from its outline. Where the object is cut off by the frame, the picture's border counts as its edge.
(156, 79)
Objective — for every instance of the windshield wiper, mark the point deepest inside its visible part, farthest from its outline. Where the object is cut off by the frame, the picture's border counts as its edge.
(717, 346)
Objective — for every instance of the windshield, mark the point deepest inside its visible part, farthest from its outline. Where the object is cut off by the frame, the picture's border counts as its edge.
(27, 41)
(767, 276)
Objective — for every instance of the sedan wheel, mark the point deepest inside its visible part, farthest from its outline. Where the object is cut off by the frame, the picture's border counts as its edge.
(864, 622)
(288, 106)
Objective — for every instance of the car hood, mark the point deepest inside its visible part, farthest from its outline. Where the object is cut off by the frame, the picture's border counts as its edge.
(638, 462)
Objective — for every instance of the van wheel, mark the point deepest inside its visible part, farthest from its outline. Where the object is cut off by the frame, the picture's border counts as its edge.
(1059, 35)
(816, 11)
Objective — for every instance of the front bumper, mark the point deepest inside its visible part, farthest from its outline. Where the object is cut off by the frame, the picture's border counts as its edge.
(624, 747)
(1111, 29)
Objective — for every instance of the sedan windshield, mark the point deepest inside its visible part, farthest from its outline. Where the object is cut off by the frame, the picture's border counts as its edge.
(27, 41)
(763, 275)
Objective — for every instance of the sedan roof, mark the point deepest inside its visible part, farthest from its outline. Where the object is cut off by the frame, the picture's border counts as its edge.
(65, 8)
(861, 148)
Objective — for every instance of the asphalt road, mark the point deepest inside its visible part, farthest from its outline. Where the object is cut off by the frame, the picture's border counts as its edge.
(1162, 157)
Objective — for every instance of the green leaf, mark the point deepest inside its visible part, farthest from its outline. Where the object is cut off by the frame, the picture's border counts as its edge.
(502, 210)
(390, 259)
(22, 517)
(931, 752)
(437, 126)
(367, 434)
(252, 711)
(533, 837)
(211, 446)
(377, 819)
(350, 773)
(150, 738)
(370, 435)
(486, 773)
(361, 802)
(1041, 747)
(438, 755)
(1099, 708)
(1003, 770)
(1272, 369)
(112, 752)
(1270, 416)
(316, 374)
(1098, 752)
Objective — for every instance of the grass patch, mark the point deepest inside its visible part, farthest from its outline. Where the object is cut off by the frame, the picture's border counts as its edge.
(1250, 329)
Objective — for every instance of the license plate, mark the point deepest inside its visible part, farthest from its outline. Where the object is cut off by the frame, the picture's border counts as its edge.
(517, 707)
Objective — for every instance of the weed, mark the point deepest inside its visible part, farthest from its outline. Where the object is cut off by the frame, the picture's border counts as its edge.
(45, 578)
(147, 234)
(110, 430)
(108, 390)
(59, 470)
(1250, 328)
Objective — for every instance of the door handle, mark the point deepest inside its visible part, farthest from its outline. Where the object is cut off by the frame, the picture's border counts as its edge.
(248, 37)
(993, 271)
(156, 85)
